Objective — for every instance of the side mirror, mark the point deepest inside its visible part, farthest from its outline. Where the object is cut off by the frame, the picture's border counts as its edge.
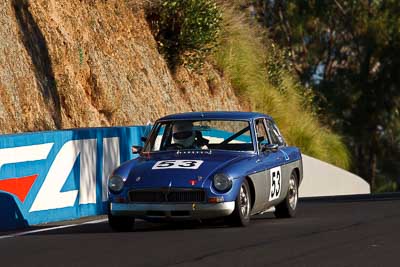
(270, 147)
(136, 149)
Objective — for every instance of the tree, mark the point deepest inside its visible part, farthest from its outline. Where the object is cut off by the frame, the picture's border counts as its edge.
(348, 53)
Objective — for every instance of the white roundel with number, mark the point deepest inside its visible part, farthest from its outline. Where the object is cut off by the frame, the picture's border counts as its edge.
(276, 183)
(177, 164)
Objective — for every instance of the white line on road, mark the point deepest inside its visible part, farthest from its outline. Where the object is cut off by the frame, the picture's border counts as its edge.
(51, 229)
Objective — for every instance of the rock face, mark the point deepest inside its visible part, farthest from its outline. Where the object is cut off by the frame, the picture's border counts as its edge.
(84, 63)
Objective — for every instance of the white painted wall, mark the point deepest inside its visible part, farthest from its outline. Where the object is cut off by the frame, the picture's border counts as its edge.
(323, 179)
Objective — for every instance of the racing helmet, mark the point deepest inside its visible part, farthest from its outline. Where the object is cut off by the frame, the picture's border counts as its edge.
(182, 133)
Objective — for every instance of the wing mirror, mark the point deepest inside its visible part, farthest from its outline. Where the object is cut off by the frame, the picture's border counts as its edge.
(270, 147)
(136, 149)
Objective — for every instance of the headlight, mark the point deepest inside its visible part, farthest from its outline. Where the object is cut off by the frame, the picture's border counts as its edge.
(222, 182)
(115, 183)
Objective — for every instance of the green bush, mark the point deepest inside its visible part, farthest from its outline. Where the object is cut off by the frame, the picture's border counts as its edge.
(185, 30)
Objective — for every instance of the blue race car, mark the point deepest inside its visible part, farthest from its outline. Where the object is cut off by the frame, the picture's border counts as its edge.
(206, 165)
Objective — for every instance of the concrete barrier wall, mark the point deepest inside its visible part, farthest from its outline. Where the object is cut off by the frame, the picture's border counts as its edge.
(59, 175)
(323, 179)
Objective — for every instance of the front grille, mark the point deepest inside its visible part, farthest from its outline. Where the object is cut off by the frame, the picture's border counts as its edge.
(143, 196)
(174, 195)
(186, 196)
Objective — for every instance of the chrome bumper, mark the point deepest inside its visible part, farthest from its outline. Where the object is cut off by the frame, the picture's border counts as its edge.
(173, 211)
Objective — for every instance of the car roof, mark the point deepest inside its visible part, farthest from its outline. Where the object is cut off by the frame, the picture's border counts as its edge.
(234, 115)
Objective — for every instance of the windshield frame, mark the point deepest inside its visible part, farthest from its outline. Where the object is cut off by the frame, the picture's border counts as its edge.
(154, 130)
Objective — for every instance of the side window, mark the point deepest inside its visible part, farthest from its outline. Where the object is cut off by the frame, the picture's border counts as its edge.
(262, 136)
(158, 139)
(275, 134)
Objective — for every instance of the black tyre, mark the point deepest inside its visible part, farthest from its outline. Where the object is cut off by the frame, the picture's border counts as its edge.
(241, 214)
(121, 223)
(287, 208)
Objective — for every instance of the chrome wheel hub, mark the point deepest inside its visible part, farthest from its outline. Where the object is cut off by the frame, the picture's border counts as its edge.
(293, 193)
(244, 201)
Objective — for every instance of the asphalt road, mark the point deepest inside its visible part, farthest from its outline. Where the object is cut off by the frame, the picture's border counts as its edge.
(325, 233)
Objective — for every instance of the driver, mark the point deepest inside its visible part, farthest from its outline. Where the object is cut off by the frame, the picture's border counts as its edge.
(183, 134)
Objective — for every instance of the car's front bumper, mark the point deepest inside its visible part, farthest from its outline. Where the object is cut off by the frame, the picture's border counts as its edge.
(173, 211)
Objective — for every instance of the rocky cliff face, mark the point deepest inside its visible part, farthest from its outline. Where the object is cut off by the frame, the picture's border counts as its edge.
(84, 63)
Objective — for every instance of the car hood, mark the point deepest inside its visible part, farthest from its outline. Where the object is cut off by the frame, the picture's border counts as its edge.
(146, 172)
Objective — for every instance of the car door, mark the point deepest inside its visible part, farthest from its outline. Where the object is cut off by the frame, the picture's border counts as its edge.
(282, 159)
(267, 180)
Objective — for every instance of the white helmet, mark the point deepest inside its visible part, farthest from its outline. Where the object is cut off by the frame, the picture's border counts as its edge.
(182, 133)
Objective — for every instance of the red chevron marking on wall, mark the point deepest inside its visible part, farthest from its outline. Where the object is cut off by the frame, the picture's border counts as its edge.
(18, 186)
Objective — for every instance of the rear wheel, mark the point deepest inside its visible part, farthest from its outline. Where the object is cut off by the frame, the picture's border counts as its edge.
(287, 208)
(241, 214)
(121, 223)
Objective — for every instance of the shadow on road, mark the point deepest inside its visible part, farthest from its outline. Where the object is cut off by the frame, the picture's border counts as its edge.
(144, 226)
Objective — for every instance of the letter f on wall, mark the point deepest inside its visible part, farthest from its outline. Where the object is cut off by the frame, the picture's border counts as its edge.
(20, 186)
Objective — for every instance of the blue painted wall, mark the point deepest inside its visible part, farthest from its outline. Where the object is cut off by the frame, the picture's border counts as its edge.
(44, 175)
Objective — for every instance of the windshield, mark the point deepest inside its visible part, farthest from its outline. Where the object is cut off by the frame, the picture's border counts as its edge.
(201, 135)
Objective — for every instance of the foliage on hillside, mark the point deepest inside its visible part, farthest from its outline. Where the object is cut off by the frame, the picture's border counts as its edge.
(186, 31)
(257, 73)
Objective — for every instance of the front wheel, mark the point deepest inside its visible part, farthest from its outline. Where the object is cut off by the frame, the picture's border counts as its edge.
(287, 208)
(121, 223)
(241, 214)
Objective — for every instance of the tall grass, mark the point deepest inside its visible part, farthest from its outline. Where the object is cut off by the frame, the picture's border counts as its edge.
(242, 56)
